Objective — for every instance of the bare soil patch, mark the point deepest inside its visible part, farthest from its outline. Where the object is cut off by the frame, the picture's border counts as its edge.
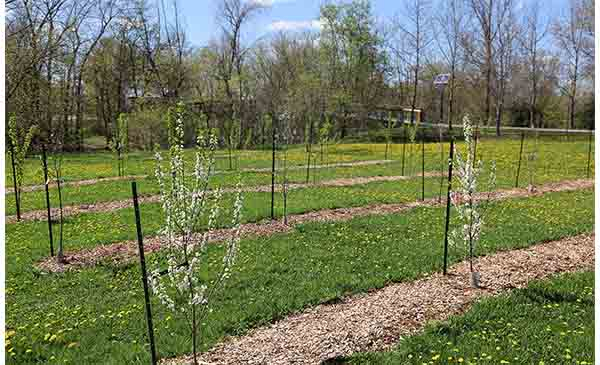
(379, 319)
(121, 252)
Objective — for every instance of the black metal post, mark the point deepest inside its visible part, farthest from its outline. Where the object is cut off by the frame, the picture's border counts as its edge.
(273, 173)
(476, 138)
(423, 164)
(441, 141)
(442, 105)
(309, 150)
(14, 173)
(589, 153)
(138, 225)
(520, 156)
(403, 146)
(450, 163)
(46, 182)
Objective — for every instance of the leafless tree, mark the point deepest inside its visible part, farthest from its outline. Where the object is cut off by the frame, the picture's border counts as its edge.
(416, 24)
(533, 32)
(570, 37)
(452, 24)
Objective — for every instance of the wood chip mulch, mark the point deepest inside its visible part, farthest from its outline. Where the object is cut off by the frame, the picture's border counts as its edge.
(122, 252)
(109, 206)
(378, 320)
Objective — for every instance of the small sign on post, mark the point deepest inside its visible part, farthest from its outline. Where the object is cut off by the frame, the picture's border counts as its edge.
(440, 82)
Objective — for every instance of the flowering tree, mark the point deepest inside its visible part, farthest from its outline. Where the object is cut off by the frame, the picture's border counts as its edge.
(119, 143)
(412, 136)
(191, 211)
(469, 207)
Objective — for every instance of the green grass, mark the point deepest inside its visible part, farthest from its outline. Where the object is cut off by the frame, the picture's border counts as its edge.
(555, 161)
(549, 322)
(91, 229)
(97, 315)
(81, 166)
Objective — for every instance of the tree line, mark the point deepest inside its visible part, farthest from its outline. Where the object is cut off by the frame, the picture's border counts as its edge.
(74, 66)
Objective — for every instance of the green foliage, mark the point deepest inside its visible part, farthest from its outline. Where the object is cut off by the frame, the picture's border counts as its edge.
(19, 145)
(120, 141)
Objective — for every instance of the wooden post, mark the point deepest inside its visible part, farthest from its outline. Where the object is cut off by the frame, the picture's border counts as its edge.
(450, 163)
(14, 173)
(46, 182)
(520, 156)
(589, 153)
(138, 225)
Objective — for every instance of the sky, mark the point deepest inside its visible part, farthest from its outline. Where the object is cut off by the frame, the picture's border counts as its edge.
(201, 26)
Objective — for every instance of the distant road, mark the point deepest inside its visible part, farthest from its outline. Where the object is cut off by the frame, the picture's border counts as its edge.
(502, 129)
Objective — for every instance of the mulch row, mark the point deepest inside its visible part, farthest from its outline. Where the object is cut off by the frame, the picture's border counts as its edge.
(69, 210)
(378, 320)
(121, 252)
(30, 188)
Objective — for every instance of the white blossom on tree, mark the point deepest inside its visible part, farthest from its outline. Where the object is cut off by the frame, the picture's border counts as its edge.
(470, 208)
(191, 211)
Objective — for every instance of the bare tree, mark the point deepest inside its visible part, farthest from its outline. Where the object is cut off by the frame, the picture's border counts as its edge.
(532, 34)
(416, 26)
(232, 16)
(452, 24)
(570, 37)
(489, 15)
(504, 59)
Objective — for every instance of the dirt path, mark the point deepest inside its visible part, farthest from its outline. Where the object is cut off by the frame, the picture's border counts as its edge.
(30, 188)
(379, 319)
(120, 204)
(123, 251)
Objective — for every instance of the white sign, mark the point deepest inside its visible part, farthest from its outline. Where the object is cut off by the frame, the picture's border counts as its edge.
(441, 79)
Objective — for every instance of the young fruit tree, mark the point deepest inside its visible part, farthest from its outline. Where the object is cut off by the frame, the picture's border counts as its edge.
(389, 130)
(191, 212)
(19, 142)
(56, 172)
(469, 206)
(285, 138)
(119, 143)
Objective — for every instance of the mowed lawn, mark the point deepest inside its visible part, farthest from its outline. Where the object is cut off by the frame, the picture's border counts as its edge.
(97, 316)
(553, 160)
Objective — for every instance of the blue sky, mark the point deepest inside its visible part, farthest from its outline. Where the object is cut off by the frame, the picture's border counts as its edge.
(200, 21)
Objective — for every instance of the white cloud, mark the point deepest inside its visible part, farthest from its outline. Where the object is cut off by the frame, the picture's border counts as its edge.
(269, 3)
(284, 25)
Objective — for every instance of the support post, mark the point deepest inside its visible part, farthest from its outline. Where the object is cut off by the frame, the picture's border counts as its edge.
(46, 182)
(450, 163)
(14, 173)
(423, 164)
(273, 172)
(520, 156)
(589, 154)
(403, 146)
(138, 225)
